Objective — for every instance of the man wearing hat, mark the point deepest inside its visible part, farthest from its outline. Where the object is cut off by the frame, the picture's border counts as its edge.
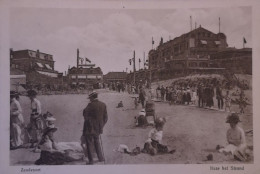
(236, 139)
(36, 125)
(95, 116)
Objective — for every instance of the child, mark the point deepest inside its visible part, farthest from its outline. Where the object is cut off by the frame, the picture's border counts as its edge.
(120, 104)
(194, 97)
(236, 139)
(153, 144)
(141, 119)
(227, 101)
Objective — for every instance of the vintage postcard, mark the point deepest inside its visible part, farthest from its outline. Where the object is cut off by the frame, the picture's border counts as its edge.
(124, 84)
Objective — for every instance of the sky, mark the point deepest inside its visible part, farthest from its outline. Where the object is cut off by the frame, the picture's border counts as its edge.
(108, 37)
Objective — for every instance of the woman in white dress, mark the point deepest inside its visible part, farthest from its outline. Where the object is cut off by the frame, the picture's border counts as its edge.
(16, 121)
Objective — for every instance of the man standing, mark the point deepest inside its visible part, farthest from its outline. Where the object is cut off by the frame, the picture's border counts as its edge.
(95, 116)
(219, 97)
(142, 96)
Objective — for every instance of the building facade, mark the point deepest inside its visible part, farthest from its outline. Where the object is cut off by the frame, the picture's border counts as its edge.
(114, 77)
(37, 66)
(198, 51)
(85, 77)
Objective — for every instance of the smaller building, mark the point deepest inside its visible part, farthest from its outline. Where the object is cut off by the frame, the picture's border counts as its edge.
(85, 77)
(114, 77)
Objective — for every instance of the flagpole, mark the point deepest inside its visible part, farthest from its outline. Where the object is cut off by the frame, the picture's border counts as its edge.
(134, 66)
(139, 61)
(152, 43)
(77, 66)
(144, 60)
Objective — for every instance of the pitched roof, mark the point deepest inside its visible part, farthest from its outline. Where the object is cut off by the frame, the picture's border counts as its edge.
(115, 75)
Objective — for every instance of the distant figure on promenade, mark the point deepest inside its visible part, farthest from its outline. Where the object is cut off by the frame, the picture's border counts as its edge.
(227, 102)
(16, 121)
(219, 97)
(95, 118)
(158, 91)
(162, 93)
(142, 95)
(36, 124)
(200, 94)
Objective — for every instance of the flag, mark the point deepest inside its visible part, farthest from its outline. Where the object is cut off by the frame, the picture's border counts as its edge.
(152, 41)
(81, 60)
(87, 60)
(139, 60)
(244, 40)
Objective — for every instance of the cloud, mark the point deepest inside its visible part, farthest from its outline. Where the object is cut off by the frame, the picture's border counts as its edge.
(110, 40)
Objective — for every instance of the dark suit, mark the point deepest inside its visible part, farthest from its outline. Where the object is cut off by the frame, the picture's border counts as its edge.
(95, 115)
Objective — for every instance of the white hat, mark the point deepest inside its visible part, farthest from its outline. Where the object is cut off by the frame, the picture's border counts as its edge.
(50, 119)
(142, 112)
(122, 148)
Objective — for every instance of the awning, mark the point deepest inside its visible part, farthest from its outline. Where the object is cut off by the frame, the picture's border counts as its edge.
(48, 74)
(48, 66)
(203, 42)
(17, 76)
(91, 76)
(82, 76)
(217, 42)
(39, 64)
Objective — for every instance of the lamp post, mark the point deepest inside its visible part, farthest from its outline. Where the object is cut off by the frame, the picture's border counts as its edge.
(130, 61)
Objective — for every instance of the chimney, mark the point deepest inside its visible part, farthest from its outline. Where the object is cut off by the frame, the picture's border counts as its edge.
(11, 53)
(37, 53)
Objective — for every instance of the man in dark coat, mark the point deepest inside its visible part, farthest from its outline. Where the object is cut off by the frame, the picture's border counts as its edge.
(219, 97)
(142, 96)
(95, 116)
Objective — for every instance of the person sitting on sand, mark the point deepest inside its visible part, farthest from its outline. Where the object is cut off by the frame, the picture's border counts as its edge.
(141, 120)
(153, 145)
(236, 139)
(120, 104)
(50, 155)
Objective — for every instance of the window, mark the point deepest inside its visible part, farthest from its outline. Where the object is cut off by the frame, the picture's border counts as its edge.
(203, 42)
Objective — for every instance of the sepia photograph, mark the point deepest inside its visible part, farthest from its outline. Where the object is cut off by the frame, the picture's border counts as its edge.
(120, 86)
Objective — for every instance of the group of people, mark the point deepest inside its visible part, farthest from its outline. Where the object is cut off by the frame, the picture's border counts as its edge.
(236, 144)
(41, 128)
(18, 128)
(202, 95)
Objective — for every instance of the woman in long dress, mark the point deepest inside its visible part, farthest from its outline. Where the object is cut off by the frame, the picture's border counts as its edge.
(36, 124)
(16, 121)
